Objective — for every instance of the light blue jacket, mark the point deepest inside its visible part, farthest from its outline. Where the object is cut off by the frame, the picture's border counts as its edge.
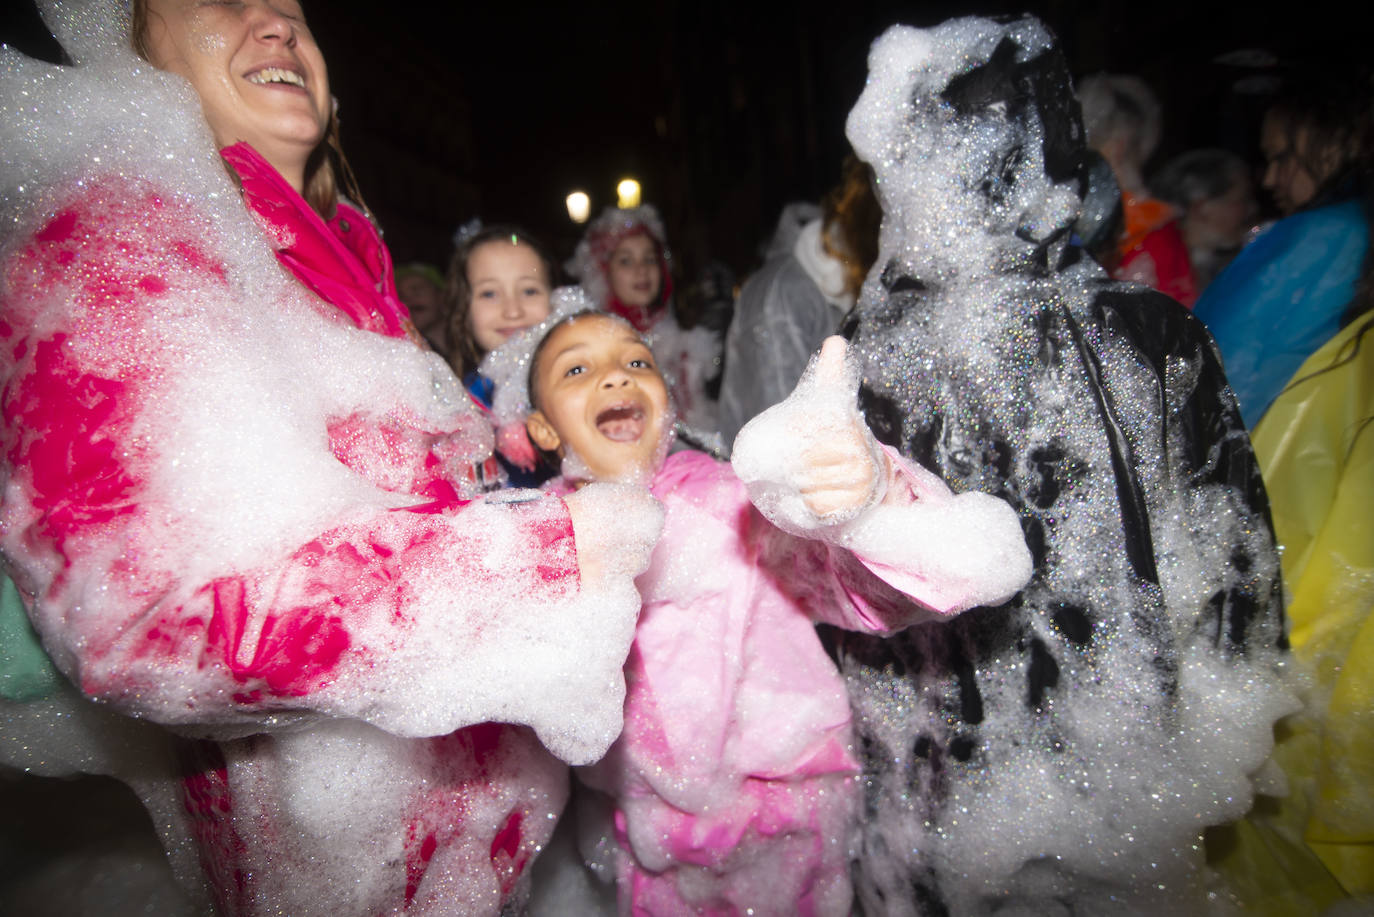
(1282, 298)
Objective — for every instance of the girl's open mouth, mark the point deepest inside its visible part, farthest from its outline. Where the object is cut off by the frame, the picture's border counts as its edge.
(621, 423)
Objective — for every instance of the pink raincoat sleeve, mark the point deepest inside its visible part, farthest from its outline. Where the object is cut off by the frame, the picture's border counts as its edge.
(920, 553)
(393, 612)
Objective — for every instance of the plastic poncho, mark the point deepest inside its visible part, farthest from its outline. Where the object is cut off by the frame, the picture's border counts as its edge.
(1064, 751)
(782, 316)
(1283, 297)
(1304, 852)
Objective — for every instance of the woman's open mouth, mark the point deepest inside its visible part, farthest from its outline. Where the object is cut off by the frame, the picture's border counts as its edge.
(621, 423)
(276, 75)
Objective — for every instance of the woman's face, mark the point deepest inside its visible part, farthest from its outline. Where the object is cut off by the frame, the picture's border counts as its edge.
(634, 272)
(1286, 175)
(256, 67)
(510, 291)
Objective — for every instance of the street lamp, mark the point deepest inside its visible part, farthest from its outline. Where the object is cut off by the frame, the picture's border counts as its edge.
(579, 206)
(627, 192)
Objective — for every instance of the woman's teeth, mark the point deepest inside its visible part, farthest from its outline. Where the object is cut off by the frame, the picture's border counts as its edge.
(276, 75)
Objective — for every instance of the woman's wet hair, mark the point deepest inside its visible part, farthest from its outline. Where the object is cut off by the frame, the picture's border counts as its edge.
(1332, 109)
(851, 212)
(1325, 115)
(458, 292)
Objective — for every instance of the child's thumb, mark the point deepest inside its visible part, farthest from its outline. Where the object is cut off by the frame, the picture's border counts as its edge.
(830, 365)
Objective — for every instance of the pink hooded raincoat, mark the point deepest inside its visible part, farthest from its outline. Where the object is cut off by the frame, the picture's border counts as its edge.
(733, 788)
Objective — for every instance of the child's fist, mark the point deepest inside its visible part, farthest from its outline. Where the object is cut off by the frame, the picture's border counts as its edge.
(616, 527)
(811, 460)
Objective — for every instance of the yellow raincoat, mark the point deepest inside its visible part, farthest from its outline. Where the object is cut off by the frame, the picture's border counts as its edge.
(1315, 445)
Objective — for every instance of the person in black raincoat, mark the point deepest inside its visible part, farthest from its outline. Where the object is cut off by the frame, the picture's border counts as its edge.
(1064, 751)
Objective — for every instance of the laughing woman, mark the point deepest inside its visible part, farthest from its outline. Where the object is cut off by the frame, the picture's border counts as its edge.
(244, 505)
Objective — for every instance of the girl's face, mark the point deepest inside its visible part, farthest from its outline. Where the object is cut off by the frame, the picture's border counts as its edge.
(256, 67)
(600, 397)
(510, 291)
(634, 272)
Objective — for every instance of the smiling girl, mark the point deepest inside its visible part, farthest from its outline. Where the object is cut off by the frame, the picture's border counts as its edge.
(732, 789)
(499, 281)
(624, 265)
(498, 286)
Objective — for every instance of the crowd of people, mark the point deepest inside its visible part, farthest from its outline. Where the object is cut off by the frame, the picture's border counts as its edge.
(996, 549)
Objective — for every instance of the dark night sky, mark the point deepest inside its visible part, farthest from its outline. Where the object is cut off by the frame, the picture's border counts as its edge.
(724, 110)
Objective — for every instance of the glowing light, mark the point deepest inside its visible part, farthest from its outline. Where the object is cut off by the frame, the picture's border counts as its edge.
(627, 192)
(579, 206)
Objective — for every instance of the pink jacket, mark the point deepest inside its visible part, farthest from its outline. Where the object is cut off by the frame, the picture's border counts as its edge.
(733, 782)
(368, 611)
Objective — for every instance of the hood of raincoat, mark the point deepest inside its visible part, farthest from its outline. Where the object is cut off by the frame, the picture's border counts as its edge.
(998, 167)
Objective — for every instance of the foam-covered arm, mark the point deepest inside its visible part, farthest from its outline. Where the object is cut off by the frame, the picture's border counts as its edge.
(950, 551)
(946, 552)
(195, 550)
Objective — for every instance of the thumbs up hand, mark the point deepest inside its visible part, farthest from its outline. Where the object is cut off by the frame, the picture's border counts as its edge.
(811, 461)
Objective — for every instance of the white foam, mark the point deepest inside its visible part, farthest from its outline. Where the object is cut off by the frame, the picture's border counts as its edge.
(773, 452)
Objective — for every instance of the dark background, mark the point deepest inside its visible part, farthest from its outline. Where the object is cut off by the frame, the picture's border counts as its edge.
(724, 111)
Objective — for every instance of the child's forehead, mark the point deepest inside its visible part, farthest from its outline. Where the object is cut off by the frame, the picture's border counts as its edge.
(638, 240)
(504, 249)
(590, 331)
